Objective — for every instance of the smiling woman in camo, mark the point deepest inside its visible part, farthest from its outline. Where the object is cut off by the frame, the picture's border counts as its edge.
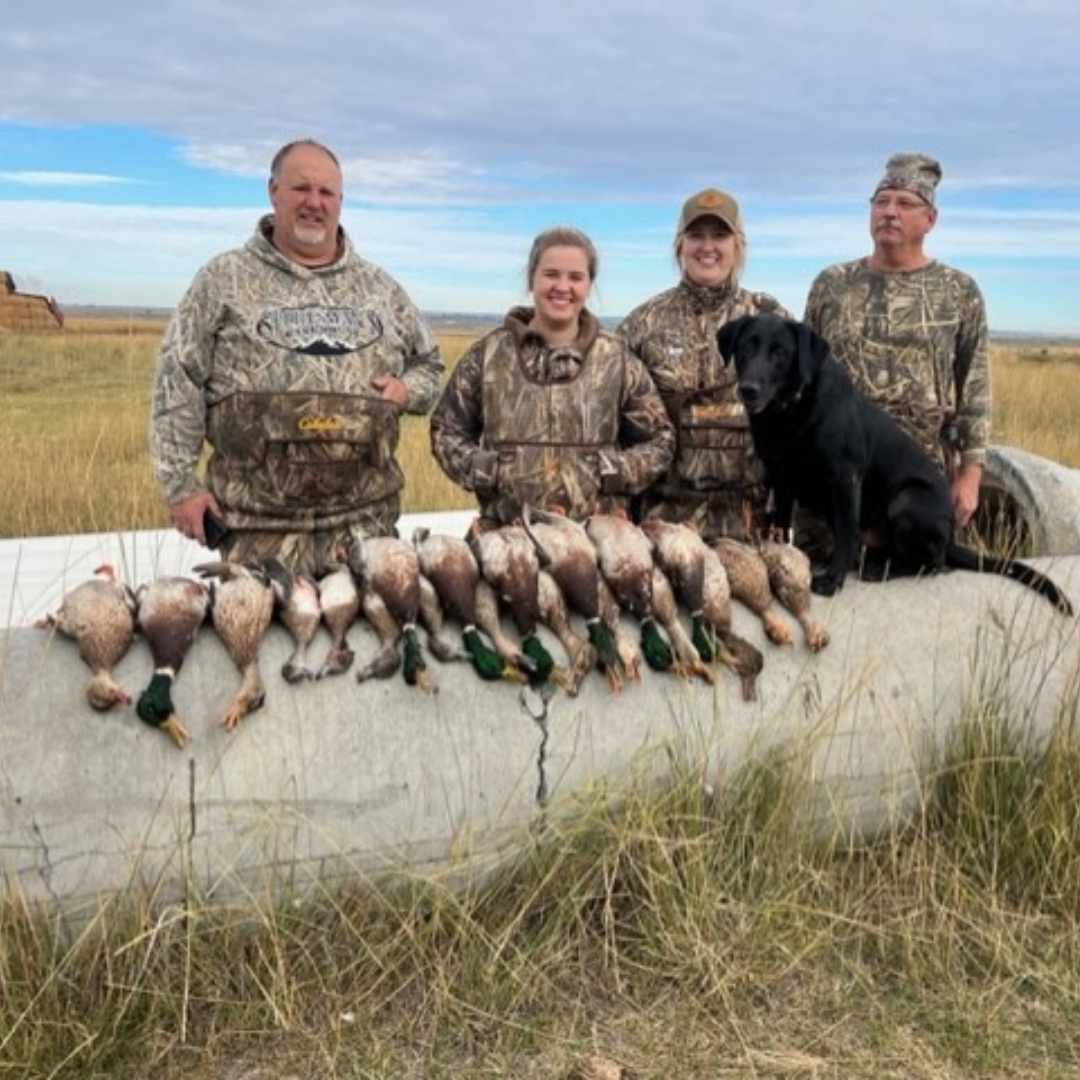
(550, 409)
(714, 482)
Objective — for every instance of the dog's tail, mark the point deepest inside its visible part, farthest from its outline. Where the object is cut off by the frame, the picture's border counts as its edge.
(962, 558)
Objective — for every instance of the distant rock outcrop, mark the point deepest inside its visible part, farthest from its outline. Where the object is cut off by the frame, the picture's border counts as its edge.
(26, 311)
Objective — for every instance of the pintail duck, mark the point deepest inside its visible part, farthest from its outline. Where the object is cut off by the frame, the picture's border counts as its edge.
(241, 607)
(300, 612)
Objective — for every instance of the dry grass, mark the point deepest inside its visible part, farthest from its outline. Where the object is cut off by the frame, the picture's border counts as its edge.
(73, 409)
(682, 934)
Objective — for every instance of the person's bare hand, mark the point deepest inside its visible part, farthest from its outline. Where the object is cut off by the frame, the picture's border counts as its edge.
(391, 388)
(187, 515)
(965, 494)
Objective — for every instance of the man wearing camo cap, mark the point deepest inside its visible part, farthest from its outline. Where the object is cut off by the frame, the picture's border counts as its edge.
(294, 358)
(913, 331)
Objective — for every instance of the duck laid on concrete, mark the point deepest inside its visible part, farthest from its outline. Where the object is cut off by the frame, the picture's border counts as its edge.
(701, 585)
(99, 616)
(555, 614)
(388, 572)
(790, 575)
(300, 612)
(748, 577)
(339, 602)
(625, 558)
(568, 555)
(241, 607)
(687, 660)
(171, 610)
(510, 565)
(449, 565)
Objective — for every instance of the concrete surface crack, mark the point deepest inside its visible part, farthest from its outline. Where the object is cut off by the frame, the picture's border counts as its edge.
(542, 695)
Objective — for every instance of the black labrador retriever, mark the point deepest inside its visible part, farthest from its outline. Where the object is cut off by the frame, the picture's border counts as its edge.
(828, 447)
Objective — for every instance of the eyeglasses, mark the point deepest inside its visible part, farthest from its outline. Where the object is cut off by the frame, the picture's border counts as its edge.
(901, 202)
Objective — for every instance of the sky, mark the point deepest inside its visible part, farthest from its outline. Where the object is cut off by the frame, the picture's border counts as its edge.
(135, 139)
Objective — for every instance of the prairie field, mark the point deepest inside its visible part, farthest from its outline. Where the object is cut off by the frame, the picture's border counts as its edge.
(74, 408)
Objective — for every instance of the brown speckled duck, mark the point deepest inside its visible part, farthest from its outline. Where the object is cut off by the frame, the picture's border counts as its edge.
(790, 575)
(170, 612)
(749, 580)
(388, 572)
(730, 649)
(99, 616)
(241, 607)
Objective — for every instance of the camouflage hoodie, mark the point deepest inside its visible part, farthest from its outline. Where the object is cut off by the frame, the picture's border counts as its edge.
(579, 426)
(714, 469)
(271, 363)
(917, 342)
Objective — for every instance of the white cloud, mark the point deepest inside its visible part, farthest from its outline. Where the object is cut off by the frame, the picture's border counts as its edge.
(44, 179)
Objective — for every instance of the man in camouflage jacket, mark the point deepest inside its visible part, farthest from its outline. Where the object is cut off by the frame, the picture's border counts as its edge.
(715, 482)
(293, 358)
(912, 331)
(578, 426)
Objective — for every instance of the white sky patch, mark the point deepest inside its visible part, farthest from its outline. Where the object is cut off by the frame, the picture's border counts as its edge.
(41, 179)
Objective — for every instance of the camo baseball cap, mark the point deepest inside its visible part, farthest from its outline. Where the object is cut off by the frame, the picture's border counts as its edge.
(711, 203)
(912, 172)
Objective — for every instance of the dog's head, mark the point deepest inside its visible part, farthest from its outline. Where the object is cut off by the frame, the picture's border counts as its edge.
(776, 359)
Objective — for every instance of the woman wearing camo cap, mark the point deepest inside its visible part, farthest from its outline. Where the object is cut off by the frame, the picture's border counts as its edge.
(714, 482)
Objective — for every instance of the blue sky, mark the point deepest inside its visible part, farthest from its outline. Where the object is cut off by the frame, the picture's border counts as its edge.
(135, 138)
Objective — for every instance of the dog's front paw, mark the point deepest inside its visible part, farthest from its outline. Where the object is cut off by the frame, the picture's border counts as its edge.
(826, 583)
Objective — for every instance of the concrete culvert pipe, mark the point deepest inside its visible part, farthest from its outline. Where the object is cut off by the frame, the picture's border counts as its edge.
(334, 777)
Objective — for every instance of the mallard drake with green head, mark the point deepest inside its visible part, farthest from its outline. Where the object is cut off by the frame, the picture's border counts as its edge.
(388, 572)
(170, 612)
(448, 563)
(568, 555)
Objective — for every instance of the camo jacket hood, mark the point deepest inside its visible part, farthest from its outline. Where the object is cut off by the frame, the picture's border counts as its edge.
(271, 362)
